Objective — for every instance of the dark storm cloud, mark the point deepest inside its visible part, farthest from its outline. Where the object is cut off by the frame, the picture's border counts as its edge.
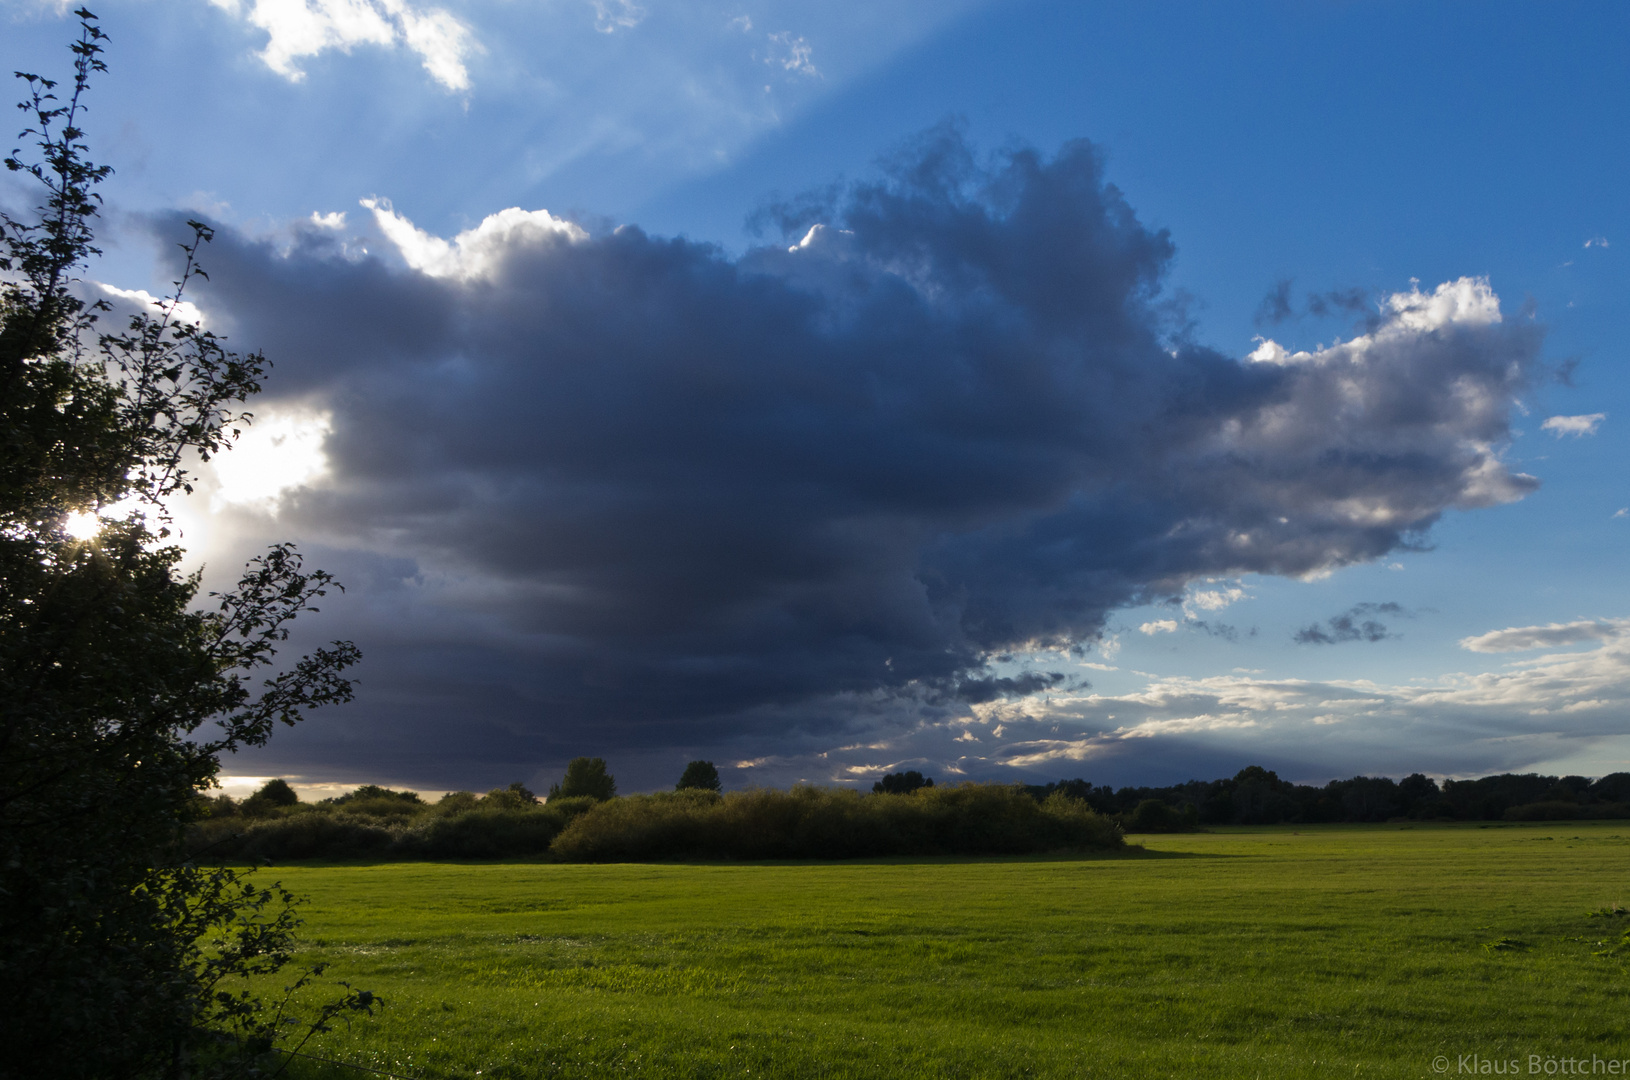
(978, 691)
(1277, 306)
(1218, 629)
(1358, 623)
(1349, 301)
(654, 494)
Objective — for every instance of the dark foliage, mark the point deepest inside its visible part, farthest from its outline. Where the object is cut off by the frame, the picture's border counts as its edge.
(803, 823)
(585, 776)
(117, 958)
(273, 794)
(699, 776)
(514, 797)
(902, 783)
(1156, 816)
(459, 827)
(1257, 796)
(832, 823)
(810, 822)
(367, 793)
(278, 793)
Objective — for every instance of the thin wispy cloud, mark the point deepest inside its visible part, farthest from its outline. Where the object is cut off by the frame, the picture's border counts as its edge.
(611, 16)
(791, 53)
(1551, 635)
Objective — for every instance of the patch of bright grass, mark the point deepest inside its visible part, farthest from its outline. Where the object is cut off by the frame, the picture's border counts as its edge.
(1273, 952)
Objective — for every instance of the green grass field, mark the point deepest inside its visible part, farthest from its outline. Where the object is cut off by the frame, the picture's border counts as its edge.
(1246, 952)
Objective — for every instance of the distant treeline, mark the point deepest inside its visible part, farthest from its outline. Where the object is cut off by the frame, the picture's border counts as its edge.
(1256, 796)
(692, 823)
(906, 814)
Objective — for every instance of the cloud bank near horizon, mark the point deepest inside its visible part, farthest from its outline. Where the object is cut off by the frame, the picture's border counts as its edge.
(602, 488)
(1545, 708)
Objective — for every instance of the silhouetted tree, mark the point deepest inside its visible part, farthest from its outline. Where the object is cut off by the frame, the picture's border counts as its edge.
(117, 698)
(1614, 787)
(585, 776)
(902, 783)
(369, 792)
(701, 775)
(514, 797)
(273, 794)
(277, 793)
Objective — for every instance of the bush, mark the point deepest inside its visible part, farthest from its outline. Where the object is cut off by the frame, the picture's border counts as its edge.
(314, 836)
(801, 823)
(467, 829)
(1566, 811)
(832, 823)
(485, 834)
(383, 807)
(369, 793)
(514, 797)
(457, 802)
(1157, 816)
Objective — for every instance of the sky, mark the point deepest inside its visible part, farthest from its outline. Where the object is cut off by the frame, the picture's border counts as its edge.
(1008, 391)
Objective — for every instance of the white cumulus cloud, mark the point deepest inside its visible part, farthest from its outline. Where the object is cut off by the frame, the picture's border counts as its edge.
(1464, 302)
(473, 253)
(297, 29)
(183, 311)
(1214, 599)
(1574, 425)
(1159, 626)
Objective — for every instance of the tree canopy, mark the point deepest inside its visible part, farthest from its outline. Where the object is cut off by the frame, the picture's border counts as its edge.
(117, 696)
(585, 776)
(699, 775)
(902, 783)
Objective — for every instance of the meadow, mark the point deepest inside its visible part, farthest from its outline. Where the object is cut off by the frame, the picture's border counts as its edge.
(1336, 950)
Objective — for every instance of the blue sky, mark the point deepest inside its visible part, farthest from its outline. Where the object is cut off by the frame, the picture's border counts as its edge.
(1347, 149)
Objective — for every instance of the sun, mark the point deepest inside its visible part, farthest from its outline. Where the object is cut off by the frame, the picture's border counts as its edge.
(83, 525)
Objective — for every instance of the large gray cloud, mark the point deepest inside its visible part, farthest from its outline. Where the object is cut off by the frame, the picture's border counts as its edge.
(628, 490)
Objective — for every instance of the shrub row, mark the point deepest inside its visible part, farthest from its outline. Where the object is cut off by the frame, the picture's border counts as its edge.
(801, 823)
(833, 823)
